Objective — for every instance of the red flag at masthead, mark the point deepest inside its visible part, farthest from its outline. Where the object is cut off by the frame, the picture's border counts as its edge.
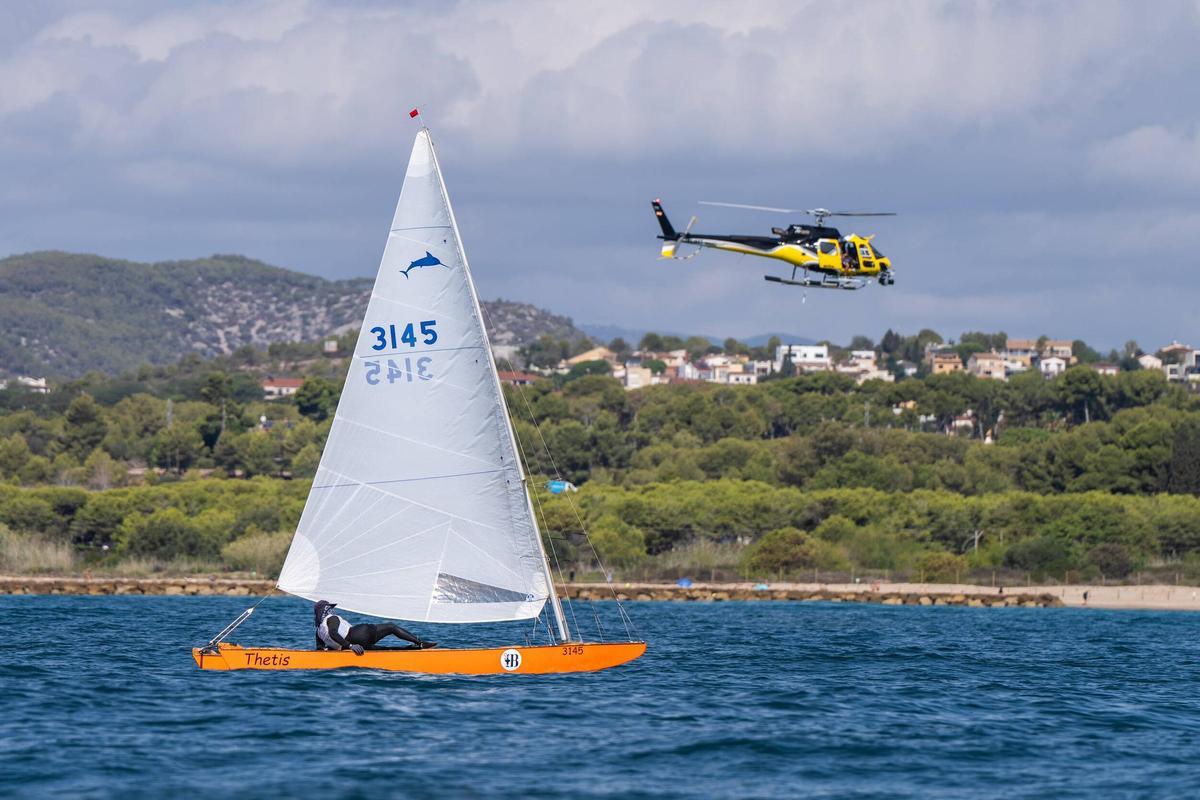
(414, 113)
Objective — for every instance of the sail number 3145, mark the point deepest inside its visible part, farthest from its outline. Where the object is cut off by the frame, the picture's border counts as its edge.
(408, 334)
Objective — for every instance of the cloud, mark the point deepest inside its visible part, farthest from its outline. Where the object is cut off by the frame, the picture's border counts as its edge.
(289, 80)
(279, 128)
(1151, 156)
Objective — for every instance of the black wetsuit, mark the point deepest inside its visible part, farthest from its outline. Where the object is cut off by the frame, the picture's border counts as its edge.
(364, 636)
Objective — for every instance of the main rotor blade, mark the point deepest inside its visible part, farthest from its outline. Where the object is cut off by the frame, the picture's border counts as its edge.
(860, 213)
(752, 208)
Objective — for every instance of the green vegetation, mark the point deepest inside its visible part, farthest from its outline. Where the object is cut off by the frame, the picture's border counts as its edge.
(186, 467)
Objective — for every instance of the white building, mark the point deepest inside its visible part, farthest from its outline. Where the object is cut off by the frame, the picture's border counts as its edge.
(805, 357)
(34, 385)
(280, 387)
(1149, 361)
(1054, 365)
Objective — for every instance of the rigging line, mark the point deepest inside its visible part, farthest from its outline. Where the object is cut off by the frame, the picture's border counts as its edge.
(231, 627)
(553, 550)
(625, 620)
(597, 616)
(524, 457)
(571, 503)
(485, 322)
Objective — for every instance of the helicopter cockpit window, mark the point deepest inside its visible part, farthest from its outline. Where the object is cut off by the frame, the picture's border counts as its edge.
(875, 250)
(827, 247)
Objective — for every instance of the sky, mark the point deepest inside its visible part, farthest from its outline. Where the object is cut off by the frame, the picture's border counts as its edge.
(1044, 158)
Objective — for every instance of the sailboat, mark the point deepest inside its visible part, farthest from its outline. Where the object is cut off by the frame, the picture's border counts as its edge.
(420, 509)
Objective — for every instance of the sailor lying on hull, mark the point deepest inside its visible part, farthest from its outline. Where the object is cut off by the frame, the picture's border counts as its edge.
(335, 633)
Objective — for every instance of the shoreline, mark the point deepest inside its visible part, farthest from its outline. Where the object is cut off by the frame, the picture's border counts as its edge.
(1150, 597)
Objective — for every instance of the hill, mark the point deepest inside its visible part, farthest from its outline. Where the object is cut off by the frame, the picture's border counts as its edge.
(606, 333)
(65, 314)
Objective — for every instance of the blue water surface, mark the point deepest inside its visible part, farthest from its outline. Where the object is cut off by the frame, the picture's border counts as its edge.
(738, 700)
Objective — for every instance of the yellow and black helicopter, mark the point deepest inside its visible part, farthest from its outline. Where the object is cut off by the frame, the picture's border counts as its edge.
(842, 262)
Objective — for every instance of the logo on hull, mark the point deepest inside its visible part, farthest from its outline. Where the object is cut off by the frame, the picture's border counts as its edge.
(430, 260)
(510, 659)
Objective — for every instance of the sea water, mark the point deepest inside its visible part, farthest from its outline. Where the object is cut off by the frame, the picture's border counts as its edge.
(757, 699)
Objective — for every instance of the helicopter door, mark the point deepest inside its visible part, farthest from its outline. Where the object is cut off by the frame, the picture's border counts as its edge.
(866, 259)
(828, 254)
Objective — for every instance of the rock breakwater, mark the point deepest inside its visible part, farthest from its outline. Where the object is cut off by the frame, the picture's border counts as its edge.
(724, 592)
(929, 596)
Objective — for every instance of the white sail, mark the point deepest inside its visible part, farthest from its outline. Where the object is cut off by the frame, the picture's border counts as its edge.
(418, 510)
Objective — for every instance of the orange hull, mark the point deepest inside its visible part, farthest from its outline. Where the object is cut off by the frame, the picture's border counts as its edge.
(541, 660)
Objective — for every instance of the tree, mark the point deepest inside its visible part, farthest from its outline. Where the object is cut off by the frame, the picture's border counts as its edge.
(305, 462)
(1084, 354)
(546, 352)
(1041, 555)
(860, 342)
(167, 533)
(83, 426)
(103, 470)
(651, 342)
(28, 514)
(986, 341)
(14, 453)
(655, 365)
(939, 565)
(177, 447)
(258, 453)
(317, 398)
(217, 386)
(597, 367)
(698, 346)
(618, 543)
(783, 551)
(1184, 471)
(620, 347)
(1081, 390)
(734, 347)
(1112, 559)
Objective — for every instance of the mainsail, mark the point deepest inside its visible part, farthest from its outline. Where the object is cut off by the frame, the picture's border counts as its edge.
(418, 510)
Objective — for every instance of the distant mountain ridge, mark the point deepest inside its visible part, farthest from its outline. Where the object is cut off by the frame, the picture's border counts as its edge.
(64, 314)
(606, 333)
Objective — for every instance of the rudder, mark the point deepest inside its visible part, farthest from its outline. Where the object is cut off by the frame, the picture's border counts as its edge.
(667, 229)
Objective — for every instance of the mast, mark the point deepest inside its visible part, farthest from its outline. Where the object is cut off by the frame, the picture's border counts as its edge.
(556, 605)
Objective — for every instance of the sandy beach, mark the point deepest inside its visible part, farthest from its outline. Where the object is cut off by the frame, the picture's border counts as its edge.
(1167, 598)
(1173, 598)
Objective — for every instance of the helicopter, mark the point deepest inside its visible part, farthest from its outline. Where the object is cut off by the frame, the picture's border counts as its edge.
(842, 262)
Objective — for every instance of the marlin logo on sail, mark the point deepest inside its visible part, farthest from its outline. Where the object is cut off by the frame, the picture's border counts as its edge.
(430, 260)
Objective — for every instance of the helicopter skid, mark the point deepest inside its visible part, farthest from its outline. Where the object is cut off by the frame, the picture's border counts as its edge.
(848, 284)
